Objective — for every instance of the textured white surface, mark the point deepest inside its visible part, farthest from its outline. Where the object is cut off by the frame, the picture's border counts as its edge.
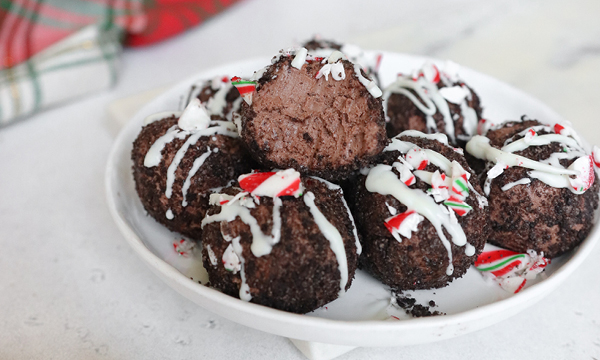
(70, 287)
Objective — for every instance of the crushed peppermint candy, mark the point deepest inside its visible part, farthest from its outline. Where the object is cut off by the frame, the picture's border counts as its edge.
(246, 88)
(439, 186)
(529, 136)
(406, 176)
(510, 269)
(456, 204)
(299, 58)
(596, 156)
(272, 184)
(430, 72)
(403, 224)
(231, 260)
(417, 158)
(582, 182)
(183, 247)
(460, 180)
(558, 128)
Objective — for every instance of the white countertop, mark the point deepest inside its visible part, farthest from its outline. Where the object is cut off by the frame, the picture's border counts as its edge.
(71, 288)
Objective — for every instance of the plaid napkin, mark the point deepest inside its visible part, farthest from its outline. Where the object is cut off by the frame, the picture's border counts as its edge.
(55, 50)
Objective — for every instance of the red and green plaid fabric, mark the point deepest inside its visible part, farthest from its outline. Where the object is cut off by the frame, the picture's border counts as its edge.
(42, 40)
(29, 26)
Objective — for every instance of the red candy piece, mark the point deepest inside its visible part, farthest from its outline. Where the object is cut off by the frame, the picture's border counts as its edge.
(491, 256)
(290, 190)
(394, 222)
(423, 164)
(249, 183)
(558, 128)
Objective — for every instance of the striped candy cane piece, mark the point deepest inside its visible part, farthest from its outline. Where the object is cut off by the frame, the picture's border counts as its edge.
(417, 158)
(460, 180)
(596, 156)
(511, 269)
(272, 184)
(403, 224)
(582, 182)
(183, 247)
(460, 207)
(246, 88)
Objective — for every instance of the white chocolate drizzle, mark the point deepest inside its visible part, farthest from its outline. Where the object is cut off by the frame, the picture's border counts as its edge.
(549, 171)
(244, 287)
(431, 99)
(332, 186)
(523, 181)
(369, 84)
(198, 162)
(434, 157)
(193, 123)
(332, 234)
(239, 206)
(381, 179)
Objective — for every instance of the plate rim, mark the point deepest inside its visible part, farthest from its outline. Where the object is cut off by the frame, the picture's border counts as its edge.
(184, 285)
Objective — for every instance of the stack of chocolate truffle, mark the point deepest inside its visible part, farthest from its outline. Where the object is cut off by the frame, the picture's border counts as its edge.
(254, 174)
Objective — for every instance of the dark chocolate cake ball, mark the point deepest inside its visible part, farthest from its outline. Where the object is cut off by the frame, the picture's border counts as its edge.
(433, 101)
(541, 186)
(420, 213)
(177, 159)
(281, 241)
(319, 116)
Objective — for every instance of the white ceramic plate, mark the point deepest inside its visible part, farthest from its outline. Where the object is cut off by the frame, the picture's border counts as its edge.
(362, 316)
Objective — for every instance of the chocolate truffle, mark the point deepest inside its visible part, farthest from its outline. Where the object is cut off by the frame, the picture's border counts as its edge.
(420, 213)
(541, 186)
(281, 241)
(177, 159)
(321, 117)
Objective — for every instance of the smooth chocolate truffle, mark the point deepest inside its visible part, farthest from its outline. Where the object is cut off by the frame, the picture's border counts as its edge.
(324, 127)
(420, 261)
(212, 161)
(528, 213)
(301, 272)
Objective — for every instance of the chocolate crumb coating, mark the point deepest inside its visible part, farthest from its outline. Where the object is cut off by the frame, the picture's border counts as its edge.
(301, 273)
(536, 216)
(227, 160)
(403, 115)
(421, 261)
(325, 128)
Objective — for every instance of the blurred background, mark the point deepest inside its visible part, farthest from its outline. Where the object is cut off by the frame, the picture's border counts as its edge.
(69, 285)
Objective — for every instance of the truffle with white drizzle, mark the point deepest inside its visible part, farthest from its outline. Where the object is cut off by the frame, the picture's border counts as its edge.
(420, 212)
(178, 157)
(541, 186)
(320, 116)
(296, 248)
(431, 100)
